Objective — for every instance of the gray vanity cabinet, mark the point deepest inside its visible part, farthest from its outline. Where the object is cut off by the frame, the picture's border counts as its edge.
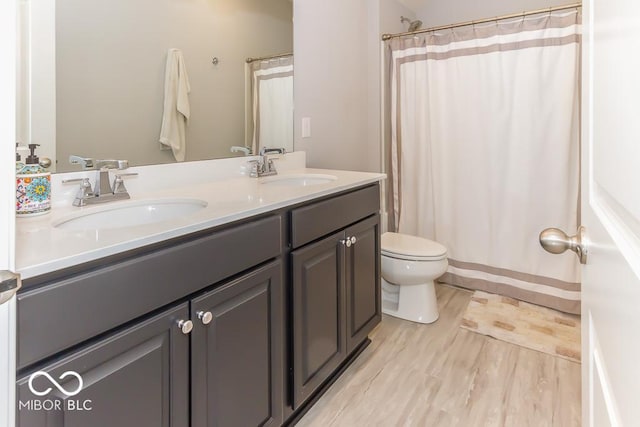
(236, 352)
(138, 377)
(319, 338)
(335, 285)
(239, 325)
(362, 270)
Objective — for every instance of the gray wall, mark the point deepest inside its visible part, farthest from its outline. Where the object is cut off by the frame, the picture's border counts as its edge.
(337, 59)
(443, 12)
(111, 59)
(330, 85)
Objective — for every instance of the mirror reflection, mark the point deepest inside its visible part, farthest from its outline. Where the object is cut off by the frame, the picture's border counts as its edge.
(159, 81)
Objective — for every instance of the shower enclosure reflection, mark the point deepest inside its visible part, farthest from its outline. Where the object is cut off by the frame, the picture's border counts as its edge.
(270, 83)
(97, 75)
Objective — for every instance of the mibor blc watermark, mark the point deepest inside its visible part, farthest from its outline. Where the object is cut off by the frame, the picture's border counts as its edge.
(59, 404)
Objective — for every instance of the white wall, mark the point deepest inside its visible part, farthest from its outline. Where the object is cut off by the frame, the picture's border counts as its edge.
(337, 83)
(442, 12)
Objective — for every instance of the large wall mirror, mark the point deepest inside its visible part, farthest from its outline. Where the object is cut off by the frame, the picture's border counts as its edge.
(92, 78)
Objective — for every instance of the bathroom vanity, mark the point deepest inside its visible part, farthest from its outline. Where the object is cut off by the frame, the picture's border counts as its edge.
(239, 318)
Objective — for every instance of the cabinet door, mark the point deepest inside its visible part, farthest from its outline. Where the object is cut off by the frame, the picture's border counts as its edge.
(363, 280)
(139, 377)
(319, 341)
(237, 373)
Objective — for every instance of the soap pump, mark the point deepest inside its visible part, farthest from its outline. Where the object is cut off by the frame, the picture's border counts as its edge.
(33, 186)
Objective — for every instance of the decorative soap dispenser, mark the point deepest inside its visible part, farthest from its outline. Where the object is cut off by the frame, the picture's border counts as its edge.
(33, 186)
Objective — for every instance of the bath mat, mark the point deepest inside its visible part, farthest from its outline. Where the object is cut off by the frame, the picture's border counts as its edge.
(527, 325)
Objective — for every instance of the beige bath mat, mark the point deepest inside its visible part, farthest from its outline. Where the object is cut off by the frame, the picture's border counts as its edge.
(528, 325)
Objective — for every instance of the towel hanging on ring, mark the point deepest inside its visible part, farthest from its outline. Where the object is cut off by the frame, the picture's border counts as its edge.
(176, 105)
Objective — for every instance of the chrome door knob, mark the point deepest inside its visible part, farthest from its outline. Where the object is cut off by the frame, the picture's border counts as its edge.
(556, 241)
(353, 240)
(346, 242)
(205, 317)
(9, 284)
(186, 326)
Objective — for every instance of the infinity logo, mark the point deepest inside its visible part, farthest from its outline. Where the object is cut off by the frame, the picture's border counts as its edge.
(55, 383)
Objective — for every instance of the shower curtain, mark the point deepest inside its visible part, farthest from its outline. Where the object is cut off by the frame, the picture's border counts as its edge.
(484, 151)
(272, 98)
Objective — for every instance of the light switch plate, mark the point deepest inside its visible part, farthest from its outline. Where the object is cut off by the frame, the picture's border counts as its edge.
(306, 127)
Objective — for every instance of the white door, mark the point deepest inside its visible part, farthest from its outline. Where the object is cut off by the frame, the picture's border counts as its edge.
(611, 213)
(7, 209)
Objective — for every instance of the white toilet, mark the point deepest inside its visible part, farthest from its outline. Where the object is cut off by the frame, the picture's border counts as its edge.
(410, 265)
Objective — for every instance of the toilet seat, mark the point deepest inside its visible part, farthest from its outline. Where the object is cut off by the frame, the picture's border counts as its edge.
(411, 248)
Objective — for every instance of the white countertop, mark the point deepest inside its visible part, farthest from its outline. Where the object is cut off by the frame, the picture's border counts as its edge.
(41, 248)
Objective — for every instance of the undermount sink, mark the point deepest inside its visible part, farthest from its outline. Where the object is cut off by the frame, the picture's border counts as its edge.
(130, 214)
(298, 180)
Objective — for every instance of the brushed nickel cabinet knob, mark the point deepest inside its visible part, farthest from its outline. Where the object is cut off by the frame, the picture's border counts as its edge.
(205, 317)
(186, 326)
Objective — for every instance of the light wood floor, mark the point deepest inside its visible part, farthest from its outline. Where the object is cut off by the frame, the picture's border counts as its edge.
(442, 375)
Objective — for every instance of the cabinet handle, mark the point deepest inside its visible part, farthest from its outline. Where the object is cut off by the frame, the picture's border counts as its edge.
(185, 326)
(205, 317)
(346, 242)
(353, 240)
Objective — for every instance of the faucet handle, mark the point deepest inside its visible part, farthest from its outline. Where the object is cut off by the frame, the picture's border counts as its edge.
(72, 180)
(118, 183)
(255, 168)
(84, 192)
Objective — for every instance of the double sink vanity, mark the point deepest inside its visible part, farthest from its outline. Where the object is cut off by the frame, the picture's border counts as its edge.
(208, 299)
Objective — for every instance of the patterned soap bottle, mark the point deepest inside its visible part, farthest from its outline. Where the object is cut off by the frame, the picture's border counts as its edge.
(33, 186)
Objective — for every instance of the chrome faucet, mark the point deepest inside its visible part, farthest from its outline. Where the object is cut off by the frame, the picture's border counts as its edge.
(102, 190)
(265, 166)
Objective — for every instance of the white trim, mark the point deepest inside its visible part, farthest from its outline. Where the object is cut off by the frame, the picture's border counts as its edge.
(8, 44)
(619, 223)
(7, 362)
(598, 367)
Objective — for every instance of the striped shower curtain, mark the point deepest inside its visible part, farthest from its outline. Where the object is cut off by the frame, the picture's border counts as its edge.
(484, 151)
(272, 101)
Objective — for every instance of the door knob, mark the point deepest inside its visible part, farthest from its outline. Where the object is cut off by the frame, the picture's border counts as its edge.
(556, 241)
(205, 317)
(348, 242)
(9, 285)
(185, 326)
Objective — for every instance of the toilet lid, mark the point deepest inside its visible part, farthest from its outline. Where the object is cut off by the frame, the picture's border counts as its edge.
(406, 246)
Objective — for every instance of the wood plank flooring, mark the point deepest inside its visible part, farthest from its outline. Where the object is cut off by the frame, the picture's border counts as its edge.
(442, 375)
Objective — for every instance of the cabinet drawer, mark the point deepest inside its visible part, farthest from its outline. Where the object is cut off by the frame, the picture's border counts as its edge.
(67, 312)
(311, 222)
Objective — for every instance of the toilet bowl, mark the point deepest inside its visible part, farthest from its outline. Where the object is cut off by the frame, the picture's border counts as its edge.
(410, 265)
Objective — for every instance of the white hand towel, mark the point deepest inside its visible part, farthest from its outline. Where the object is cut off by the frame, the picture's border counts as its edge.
(176, 105)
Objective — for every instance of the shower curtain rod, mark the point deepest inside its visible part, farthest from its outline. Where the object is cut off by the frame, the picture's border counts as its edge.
(264, 58)
(386, 37)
